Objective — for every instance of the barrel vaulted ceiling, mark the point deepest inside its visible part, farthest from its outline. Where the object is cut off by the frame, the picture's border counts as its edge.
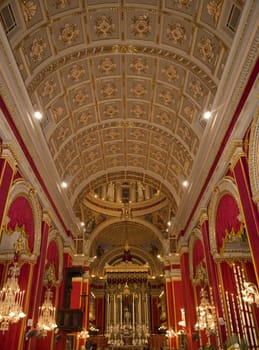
(122, 85)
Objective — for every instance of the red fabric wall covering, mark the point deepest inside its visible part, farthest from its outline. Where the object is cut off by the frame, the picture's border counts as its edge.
(99, 304)
(170, 305)
(226, 218)
(198, 255)
(75, 296)
(228, 277)
(179, 302)
(155, 315)
(20, 213)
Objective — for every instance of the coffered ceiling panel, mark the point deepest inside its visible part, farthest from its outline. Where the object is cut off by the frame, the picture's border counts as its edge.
(122, 85)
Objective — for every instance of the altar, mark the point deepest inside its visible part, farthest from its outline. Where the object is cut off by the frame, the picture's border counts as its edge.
(127, 317)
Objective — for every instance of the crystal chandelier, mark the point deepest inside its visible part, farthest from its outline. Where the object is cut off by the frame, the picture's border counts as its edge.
(205, 313)
(250, 293)
(11, 299)
(47, 313)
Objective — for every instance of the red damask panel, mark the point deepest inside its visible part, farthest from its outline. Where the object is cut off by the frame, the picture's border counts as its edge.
(20, 214)
(226, 218)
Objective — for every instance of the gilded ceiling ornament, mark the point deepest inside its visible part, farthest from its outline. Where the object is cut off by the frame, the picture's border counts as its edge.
(113, 134)
(164, 117)
(185, 133)
(182, 3)
(114, 162)
(138, 111)
(104, 26)
(106, 65)
(109, 90)
(84, 117)
(206, 49)
(139, 65)
(137, 134)
(158, 156)
(61, 3)
(114, 149)
(88, 140)
(136, 161)
(189, 112)
(214, 9)
(68, 155)
(69, 33)
(73, 168)
(176, 33)
(62, 133)
(92, 155)
(166, 97)
(156, 168)
(161, 141)
(49, 88)
(37, 49)
(80, 97)
(179, 154)
(138, 90)
(136, 148)
(56, 112)
(196, 88)
(171, 73)
(140, 26)
(111, 111)
(29, 8)
(76, 72)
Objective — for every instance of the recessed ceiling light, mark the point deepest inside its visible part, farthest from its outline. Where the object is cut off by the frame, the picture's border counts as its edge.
(185, 183)
(207, 115)
(38, 115)
(64, 184)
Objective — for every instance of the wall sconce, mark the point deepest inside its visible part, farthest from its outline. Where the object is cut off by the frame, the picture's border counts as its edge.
(250, 293)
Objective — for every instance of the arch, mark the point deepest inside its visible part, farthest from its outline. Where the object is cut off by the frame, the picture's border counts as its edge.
(194, 237)
(55, 236)
(112, 221)
(23, 189)
(225, 186)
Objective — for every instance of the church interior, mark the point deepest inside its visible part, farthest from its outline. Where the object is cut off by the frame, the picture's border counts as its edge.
(129, 174)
